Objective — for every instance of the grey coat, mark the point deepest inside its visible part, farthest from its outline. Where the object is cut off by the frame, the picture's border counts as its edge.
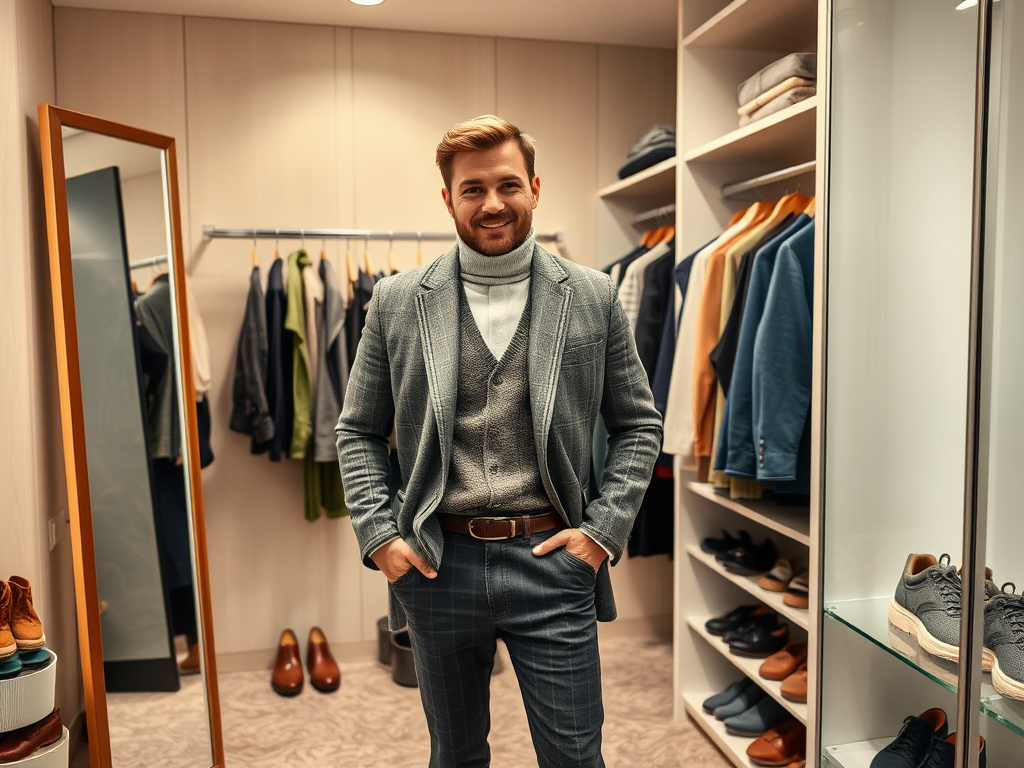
(583, 361)
(332, 367)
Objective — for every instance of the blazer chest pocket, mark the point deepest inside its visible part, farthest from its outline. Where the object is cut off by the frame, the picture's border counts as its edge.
(582, 351)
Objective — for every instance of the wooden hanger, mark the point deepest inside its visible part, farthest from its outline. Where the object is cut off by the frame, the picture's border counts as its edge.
(255, 253)
(350, 263)
(277, 246)
(809, 210)
(366, 256)
(419, 249)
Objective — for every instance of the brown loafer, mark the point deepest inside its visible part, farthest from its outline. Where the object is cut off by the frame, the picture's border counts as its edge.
(323, 669)
(781, 746)
(287, 678)
(781, 665)
(25, 623)
(794, 687)
(23, 742)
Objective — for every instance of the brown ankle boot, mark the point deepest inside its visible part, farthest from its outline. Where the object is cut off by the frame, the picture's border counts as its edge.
(25, 623)
(8, 645)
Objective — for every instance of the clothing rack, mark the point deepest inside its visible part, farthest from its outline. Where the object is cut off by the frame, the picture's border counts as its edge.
(211, 232)
(658, 217)
(736, 190)
(150, 262)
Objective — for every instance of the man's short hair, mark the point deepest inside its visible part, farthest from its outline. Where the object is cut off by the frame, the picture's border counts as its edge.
(482, 133)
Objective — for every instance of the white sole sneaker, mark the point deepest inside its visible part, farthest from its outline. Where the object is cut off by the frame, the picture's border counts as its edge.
(907, 622)
(1005, 686)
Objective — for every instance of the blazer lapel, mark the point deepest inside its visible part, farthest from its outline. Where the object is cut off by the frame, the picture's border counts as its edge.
(550, 299)
(437, 305)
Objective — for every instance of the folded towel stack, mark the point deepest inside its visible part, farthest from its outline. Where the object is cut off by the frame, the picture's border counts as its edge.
(657, 144)
(783, 83)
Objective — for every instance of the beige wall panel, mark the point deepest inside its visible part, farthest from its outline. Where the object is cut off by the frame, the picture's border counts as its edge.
(33, 469)
(126, 67)
(345, 145)
(408, 89)
(549, 90)
(636, 90)
(264, 152)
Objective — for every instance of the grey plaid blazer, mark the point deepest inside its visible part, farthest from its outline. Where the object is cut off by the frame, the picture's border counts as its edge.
(583, 361)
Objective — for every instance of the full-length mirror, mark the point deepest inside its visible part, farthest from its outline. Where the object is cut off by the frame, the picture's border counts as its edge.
(133, 449)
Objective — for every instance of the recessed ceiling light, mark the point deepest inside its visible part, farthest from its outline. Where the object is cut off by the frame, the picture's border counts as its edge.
(374, 2)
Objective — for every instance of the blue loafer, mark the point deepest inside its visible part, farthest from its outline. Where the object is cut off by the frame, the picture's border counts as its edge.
(728, 695)
(759, 719)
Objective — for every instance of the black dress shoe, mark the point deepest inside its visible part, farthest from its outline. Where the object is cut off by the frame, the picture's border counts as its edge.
(761, 642)
(735, 619)
(727, 543)
(768, 620)
(750, 561)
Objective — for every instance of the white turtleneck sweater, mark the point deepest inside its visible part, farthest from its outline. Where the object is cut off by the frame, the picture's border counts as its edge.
(497, 288)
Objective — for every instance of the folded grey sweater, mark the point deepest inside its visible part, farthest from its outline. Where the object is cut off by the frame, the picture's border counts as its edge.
(794, 65)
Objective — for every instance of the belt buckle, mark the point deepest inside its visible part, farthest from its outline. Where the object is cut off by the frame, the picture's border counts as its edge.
(511, 523)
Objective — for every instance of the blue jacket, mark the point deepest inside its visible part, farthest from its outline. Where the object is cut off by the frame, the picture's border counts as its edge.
(738, 447)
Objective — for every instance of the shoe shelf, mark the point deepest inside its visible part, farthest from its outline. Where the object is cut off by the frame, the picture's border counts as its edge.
(749, 583)
(856, 755)
(656, 182)
(869, 618)
(733, 747)
(759, 25)
(748, 667)
(792, 522)
(56, 755)
(785, 138)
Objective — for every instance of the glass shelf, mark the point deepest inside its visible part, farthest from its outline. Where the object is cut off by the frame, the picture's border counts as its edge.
(869, 618)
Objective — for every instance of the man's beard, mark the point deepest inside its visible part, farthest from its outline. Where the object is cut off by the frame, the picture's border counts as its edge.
(515, 235)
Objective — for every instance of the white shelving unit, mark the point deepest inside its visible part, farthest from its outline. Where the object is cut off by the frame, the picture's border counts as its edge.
(721, 44)
(657, 181)
(749, 667)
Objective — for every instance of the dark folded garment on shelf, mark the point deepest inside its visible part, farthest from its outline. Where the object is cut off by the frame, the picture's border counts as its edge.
(788, 99)
(803, 65)
(657, 144)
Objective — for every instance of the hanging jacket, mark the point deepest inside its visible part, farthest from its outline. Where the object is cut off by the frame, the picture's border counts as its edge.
(740, 446)
(279, 359)
(332, 370)
(295, 321)
(783, 349)
(250, 413)
(654, 300)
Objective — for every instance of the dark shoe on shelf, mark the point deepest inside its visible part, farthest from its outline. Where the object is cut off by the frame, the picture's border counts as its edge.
(781, 665)
(943, 754)
(727, 543)
(914, 741)
(768, 621)
(287, 678)
(794, 687)
(761, 642)
(798, 592)
(759, 719)
(25, 623)
(927, 605)
(727, 696)
(19, 744)
(324, 674)
(746, 699)
(781, 746)
(1004, 642)
(778, 578)
(736, 618)
(750, 561)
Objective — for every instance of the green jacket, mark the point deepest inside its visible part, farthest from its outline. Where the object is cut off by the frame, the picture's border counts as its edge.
(295, 321)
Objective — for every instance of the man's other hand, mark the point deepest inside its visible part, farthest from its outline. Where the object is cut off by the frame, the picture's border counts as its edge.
(576, 543)
(396, 558)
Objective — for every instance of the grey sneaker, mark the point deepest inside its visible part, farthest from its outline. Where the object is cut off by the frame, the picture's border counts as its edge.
(927, 605)
(1004, 642)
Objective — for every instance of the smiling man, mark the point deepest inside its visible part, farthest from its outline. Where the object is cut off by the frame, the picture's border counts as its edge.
(494, 362)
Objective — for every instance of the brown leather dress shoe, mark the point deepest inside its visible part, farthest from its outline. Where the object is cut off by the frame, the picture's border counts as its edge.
(287, 678)
(781, 665)
(781, 746)
(794, 687)
(25, 623)
(23, 742)
(323, 669)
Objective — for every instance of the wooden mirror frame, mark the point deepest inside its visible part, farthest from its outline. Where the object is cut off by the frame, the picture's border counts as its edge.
(51, 121)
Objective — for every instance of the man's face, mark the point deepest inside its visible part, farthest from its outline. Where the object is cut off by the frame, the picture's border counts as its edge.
(492, 199)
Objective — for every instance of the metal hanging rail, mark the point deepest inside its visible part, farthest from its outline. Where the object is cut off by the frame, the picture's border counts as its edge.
(664, 216)
(211, 232)
(150, 262)
(741, 187)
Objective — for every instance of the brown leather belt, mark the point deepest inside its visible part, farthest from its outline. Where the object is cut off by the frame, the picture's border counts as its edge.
(499, 528)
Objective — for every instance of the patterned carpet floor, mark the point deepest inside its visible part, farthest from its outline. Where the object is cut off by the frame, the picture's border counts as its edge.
(371, 722)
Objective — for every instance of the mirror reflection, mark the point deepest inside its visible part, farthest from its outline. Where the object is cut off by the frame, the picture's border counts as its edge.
(128, 348)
